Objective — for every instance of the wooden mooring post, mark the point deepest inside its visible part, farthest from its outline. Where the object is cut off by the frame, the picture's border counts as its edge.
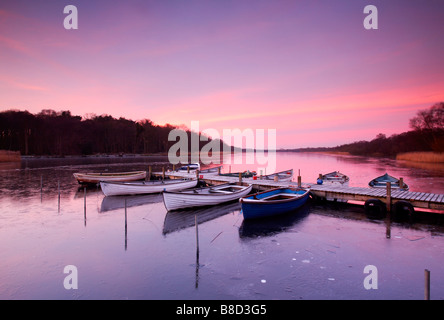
(299, 179)
(197, 236)
(41, 188)
(58, 187)
(84, 205)
(126, 227)
(426, 284)
(150, 171)
(389, 197)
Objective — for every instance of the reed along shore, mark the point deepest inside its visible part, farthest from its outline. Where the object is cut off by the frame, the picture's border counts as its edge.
(435, 157)
(10, 156)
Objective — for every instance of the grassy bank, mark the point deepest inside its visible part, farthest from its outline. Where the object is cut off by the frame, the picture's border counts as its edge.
(435, 157)
(9, 156)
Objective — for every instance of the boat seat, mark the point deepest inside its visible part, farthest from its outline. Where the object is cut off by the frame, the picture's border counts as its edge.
(280, 196)
(220, 191)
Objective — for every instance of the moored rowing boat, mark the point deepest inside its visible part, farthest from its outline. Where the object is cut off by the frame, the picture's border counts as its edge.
(145, 187)
(208, 196)
(381, 182)
(282, 176)
(96, 177)
(334, 178)
(273, 202)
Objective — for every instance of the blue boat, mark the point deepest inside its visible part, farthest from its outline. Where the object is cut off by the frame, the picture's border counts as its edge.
(273, 202)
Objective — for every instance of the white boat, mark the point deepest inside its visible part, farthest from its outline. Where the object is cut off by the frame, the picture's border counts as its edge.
(335, 178)
(207, 196)
(191, 166)
(145, 187)
(96, 177)
(283, 176)
(211, 170)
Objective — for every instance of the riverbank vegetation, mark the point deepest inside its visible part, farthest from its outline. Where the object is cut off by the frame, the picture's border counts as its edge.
(9, 156)
(61, 133)
(424, 142)
(426, 137)
(422, 157)
(54, 133)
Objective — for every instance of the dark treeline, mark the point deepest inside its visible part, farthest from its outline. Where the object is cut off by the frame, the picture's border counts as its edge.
(427, 134)
(61, 133)
(411, 141)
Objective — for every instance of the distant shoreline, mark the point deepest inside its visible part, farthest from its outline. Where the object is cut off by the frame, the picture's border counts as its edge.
(15, 156)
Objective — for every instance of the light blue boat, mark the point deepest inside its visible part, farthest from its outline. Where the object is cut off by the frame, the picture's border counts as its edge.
(381, 182)
(273, 202)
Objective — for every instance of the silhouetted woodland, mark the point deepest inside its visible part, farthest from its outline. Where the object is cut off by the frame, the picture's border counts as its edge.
(427, 134)
(61, 133)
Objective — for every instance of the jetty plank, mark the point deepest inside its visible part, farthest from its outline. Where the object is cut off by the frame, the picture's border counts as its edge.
(418, 199)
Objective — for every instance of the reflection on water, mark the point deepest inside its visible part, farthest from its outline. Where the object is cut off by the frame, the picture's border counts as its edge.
(181, 219)
(145, 252)
(271, 226)
(361, 170)
(111, 203)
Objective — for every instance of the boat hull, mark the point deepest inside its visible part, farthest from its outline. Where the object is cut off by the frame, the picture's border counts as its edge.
(117, 189)
(246, 174)
(381, 182)
(109, 177)
(257, 206)
(334, 178)
(177, 200)
(283, 176)
(189, 167)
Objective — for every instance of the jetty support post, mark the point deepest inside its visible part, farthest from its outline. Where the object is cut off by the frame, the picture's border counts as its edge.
(240, 178)
(389, 197)
(299, 179)
(150, 170)
(163, 173)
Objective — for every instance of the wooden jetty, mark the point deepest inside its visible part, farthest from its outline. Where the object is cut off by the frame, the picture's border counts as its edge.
(386, 196)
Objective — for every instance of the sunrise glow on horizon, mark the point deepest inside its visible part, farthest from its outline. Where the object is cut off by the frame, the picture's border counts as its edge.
(308, 69)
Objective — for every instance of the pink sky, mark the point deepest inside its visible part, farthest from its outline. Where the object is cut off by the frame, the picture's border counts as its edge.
(308, 69)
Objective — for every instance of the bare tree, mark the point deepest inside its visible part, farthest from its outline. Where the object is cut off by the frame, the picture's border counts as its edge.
(430, 123)
(429, 119)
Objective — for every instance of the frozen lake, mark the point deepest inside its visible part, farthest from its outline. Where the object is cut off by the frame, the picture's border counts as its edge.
(320, 252)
